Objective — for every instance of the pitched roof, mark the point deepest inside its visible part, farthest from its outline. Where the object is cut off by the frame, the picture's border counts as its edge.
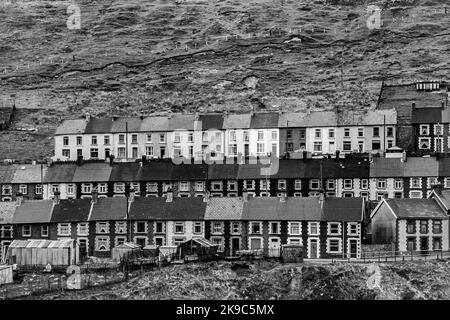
(224, 209)
(416, 208)
(6, 173)
(352, 168)
(321, 119)
(253, 171)
(211, 121)
(156, 208)
(290, 168)
(292, 120)
(237, 121)
(343, 209)
(444, 167)
(157, 170)
(155, 124)
(273, 209)
(223, 171)
(181, 122)
(122, 124)
(426, 115)
(109, 209)
(261, 120)
(76, 126)
(26, 173)
(98, 125)
(365, 118)
(92, 172)
(60, 172)
(445, 197)
(189, 172)
(421, 167)
(315, 168)
(122, 172)
(33, 211)
(71, 210)
(7, 212)
(386, 168)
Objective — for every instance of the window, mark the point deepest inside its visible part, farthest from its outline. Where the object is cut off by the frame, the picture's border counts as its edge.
(415, 194)
(447, 182)
(141, 227)
(360, 132)
(317, 133)
(178, 240)
(318, 146)
(255, 243)
(390, 132)
(219, 241)
(289, 146)
(381, 195)
(106, 140)
(26, 231)
(6, 231)
(120, 240)
(260, 135)
(246, 137)
(159, 227)
(376, 145)
(416, 183)
(302, 134)
(199, 186)
(260, 147)
(235, 227)
(184, 186)
(232, 185)
(398, 184)
(232, 135)
(121, 139)
(330, 184)
(347, 194)
(85, 187)
(55, 188)
(66, 153)
(274, 227)
(249, 184)
(424, 129)
(313, 228)
(334, 245)
(102, 188)
(152, 187)
(424, 143)
(38, 189)
(289, 134)
(398, 195)
(101, 243)
(364, 195)
(347, 132)
(376, 131)
(347, 146)
(217, 227)
(294, 228)
(274, 135)
(121, 227)
(348, 183)
(79, 141)
(437, 243)
(94, 140)
(162, 138)
(198, 227)
(134, 139)
(298, 184)
(281, 184)
(331, 133)
(423, 226)
(159, 241)
(44, 231)
(119, 187)
(94, 153)
(83, 229)
(256, 227)
(410, 226)
(149, 137)
(381, 183)
(352, 229)
(410, 244)
(437, 226)
(438, 129)
(314, 184)
(432, 181)
(23, 188)
(179, 227)
(65, 141)
(334, 228)
(216, 186)
(263, 185)
(102, 227)
(63, 229)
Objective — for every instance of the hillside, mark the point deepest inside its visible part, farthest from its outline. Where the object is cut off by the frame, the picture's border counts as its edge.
(133, 57)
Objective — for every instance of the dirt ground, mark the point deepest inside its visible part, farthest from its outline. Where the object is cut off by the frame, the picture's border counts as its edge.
(272, 280)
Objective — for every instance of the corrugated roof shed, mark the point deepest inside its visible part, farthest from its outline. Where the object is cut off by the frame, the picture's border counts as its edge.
(33, 211)
(189, 172)
(421, 167)
(262, 120)
(60, 172)
(273, 209)
(98, 125)
(92, 172)
(224, 209)
(386, 168)
(156, 208)
(343, 209)
(123, 172)
(119, 125)
(71, 210)
(154, 124)
(223, 171)
(237, 121)
(160, 170)
(426, 115)
(76, 126)
(7, 173)
(27, 173)
(211, 121)
(416, 208)
(7, 212)
(109, 209)
(181, 122)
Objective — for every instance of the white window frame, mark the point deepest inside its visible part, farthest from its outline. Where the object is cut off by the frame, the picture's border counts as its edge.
(350, 225)
(83, 228)
(290, 226)
(27, 228)
(233, 225)
(381, 184)
(196, 224)
(421, 139)
(281, 184)
(101, 241)
(45, 234)
(250, 227)
(411, 184)
(416, 192)
(121, 227)
(339, 240)
(424, 127)
(179, 224)
(346, 182)
(310, 224)
(221, 244)
(278, 231)
(398, 184)
(102, 227)
(330, 225)
(217, 227)
(66, 226)
(183, 186)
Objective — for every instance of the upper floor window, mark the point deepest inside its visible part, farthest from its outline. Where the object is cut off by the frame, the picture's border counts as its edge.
(390, 131)
(162, 138)
(274, 135)
(232, 135)
(106, 140)
(298, 184)
(246, 136)
(410, 226)
(437, 226)
(313, 228)
(256, 227)
(424, 129)
(94, 140)
(314, 184)
(398, 184)
(348, 183)
(260, 135)
(360, 132)
(79, 140)
(289, 134)
(302, 134)
(121, 139)
(376, 131)
(347, 132)
(134, 139)
(364, 184)
(438, 129)
(318, 133)
(184, 186)
(65, 141)
(423, 226)
(381, 183)
(330, 133)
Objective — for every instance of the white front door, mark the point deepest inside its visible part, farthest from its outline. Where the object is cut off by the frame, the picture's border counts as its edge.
(274, 247)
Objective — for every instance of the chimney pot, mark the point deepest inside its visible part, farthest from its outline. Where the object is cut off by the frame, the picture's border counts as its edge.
(169, 196)
(94, 195)
(245, 195)
(56, 197)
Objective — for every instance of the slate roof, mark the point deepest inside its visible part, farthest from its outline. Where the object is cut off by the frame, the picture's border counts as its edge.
(33, 211)
(290, 168)
(421, 167)
(92, 172)
(26, 173)
(189, 172)
(292, 120)
(122, 172)
(71, 210)
(273, 209)
(181, 122)
(98, 125)
(60, 172)
(109, 209)
(223, 171)
(343, 209)
(321, 119)
(160, 170)
(426, 115)
(237, 121)
(224, 209)
(6, 173)
(156, 208)
(364, 118)
(386, 168)
(76, 126)
(7, 212)
(153, 124)
(313, 168)
(253, 171)
(211, 121)
(262, 120)
(119, 125)
(416, 208)
(444, 167)
(352, 168)
(445, 197)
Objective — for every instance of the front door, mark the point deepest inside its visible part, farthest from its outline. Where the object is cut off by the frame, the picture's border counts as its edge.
(235, 245)
(424, 245)
(246, 150)
(313, 248)
(353, 243)
(274, 247)
(83, 248)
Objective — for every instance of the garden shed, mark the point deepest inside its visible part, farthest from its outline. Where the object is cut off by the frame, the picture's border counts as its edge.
(125, 251)
(200, 247)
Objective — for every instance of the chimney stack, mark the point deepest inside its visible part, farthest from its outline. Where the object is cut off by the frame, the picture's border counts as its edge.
(169, 195)
(413, 105)
(442, 104)
(245, 195)
(144, 160)
(80, 161)
(19, 198)
(283, 197)
(206, 197)
(305, 154)
(404, 158)
(131, 195)
(111, 160)
(94, 195)
(437, 188)
(321, 198)
(56, 197)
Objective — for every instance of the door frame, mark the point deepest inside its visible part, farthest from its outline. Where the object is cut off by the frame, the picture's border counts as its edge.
(232, 247)
(270, 249)
(317, 241)
(349, 248)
